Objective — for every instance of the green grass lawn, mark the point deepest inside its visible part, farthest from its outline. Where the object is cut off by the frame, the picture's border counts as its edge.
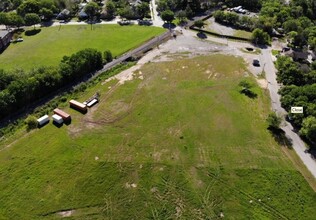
(180, 143)
(242, 33)
(47, 47)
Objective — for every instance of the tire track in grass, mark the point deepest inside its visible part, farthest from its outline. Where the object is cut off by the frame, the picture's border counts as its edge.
(265, 206)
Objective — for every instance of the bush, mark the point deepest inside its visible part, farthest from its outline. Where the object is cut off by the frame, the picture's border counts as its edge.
(274, 121)
(107, 56)
(31, 122)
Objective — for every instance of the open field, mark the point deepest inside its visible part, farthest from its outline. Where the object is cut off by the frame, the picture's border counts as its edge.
(47, 47)
(177, 141)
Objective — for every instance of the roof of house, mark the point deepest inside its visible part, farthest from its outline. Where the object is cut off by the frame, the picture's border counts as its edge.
(297, 54)
(82, 13)
(3, 33)
(300, 55)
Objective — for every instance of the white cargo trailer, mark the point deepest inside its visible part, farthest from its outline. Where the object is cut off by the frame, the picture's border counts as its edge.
(92, 102)
(43, 120)
(57, 119)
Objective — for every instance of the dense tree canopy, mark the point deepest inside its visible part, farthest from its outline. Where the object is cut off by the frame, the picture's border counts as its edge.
(309, 128)
(167, 16)
(91, 9)
(32, 19)
(18, 89)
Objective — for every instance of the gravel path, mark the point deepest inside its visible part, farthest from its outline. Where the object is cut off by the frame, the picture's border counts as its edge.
(220, 29)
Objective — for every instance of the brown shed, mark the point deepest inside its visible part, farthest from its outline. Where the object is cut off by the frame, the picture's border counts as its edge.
(78, 105)
(62, 114)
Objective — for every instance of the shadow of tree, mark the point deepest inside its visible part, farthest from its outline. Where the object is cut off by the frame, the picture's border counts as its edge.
(47, 23)
(280, 137)
(201, 35)
(169, 25)
(261, 46)
(249, 93)
(32, 32)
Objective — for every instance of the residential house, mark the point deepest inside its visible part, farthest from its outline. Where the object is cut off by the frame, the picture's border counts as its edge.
(5, 37)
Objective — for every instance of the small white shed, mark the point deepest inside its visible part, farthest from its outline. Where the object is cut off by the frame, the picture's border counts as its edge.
(57, 119)
(42, 120)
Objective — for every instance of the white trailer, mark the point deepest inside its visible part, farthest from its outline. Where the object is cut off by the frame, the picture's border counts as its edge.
(92, 102)
(57, 119)
(43, 120)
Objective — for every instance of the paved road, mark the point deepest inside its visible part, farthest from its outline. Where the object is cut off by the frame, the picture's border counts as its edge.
(143, 48)
(157, 21)
(298, 144)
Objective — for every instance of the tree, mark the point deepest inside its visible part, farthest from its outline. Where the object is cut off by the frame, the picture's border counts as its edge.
(274, 121)
(46, 13)
(5, 79)
(110, 9)
(309, 128)
(245, 85)
(31, 122)
(4, 20)
(260, 37)
(162, 6)
(107, 56)
(246, 89)
(199, 24)
(181, 15)
(167, 16)
(143, 9)
(15, 20)
(189, 12)
(127, 12)
(29, 6)
(32, 19)
(6, 5)
(91, 9)
(232, 18)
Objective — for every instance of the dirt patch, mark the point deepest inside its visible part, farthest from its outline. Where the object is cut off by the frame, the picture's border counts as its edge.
(263, 83)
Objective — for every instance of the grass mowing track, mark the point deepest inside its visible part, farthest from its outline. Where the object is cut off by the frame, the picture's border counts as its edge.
(182, 142)
(47, 47)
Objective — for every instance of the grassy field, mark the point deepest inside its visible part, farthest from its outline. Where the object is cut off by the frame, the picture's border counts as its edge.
(52, 43)
(178, 141)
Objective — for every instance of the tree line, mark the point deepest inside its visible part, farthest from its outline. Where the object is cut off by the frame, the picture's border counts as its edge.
(18, 88)
(299, 90)
(16, 12)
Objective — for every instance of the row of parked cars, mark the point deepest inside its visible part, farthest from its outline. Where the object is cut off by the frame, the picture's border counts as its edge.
(238, 9)
(139, 21)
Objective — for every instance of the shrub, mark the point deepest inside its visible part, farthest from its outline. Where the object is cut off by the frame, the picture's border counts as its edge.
(31, 122)
(107, 56)
(274, 121)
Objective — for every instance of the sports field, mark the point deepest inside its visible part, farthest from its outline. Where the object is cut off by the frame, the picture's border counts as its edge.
(47, 47)
(177, 141)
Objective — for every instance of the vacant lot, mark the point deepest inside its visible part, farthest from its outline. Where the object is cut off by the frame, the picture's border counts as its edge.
(49, 45)
(213, 26)
(178, 141)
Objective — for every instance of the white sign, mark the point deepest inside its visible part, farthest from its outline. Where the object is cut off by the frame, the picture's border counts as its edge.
(297, 110)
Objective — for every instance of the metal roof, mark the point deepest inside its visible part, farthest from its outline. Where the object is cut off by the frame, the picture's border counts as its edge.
(3, 33)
